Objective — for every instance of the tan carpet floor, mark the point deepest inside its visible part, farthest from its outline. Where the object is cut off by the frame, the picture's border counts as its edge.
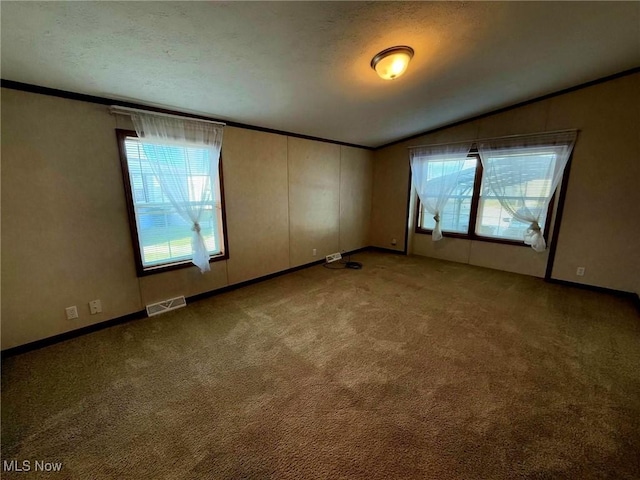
(408, 368)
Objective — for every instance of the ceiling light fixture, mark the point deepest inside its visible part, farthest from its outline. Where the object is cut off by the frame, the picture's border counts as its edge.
(389, 64)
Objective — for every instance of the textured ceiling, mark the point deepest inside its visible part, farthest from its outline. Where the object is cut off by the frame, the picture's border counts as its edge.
(303, 67)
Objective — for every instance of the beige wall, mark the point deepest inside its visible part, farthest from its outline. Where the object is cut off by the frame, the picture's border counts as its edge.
(601, 220)
(314, 200)
(65, 236)
(389, 202)
(65, 232)
(256, 191)
(356, 183)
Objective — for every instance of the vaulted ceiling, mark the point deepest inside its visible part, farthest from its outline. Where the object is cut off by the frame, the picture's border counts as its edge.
(303, 67)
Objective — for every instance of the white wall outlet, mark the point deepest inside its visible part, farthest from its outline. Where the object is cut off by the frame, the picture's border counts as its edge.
(72, 312)
(95, 306)
(333, 257)
(580, 271)
(315, 252)
(393, 241)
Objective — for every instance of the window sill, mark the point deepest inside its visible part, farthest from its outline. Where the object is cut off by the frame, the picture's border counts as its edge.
(475, 238)
(146, 271)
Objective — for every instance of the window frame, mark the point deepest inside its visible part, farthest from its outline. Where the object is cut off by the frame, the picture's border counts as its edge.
(473, 213)
(141, 270)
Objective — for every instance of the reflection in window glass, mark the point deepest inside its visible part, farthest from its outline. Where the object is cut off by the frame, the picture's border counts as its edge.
(456, 213)
(526, 183)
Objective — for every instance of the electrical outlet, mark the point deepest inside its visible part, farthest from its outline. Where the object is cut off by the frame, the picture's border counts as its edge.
(315, 252)
(580, 272)
(95, 306)
(72, 312)
(333, 257)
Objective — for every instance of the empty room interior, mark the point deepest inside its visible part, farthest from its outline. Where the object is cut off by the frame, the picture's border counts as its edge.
(320, 240)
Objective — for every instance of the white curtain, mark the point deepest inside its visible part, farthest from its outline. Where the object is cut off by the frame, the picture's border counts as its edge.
(523, 173)
(435, 173)
(171, 167)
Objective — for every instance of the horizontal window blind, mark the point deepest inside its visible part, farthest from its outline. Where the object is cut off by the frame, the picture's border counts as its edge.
(163, 235)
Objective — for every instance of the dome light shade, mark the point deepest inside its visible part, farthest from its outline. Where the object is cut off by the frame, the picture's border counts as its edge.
(389, 64)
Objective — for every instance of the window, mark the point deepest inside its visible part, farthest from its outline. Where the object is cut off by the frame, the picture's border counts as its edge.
(161, 236)
(525, 184)
(457, 211)
(502, 193)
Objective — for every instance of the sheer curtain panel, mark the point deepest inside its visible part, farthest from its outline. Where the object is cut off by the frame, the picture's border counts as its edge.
(435, 173)
(168, 143)
(523, 174)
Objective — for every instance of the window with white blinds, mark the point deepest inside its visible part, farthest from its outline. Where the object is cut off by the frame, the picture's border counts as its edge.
(163, 236)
